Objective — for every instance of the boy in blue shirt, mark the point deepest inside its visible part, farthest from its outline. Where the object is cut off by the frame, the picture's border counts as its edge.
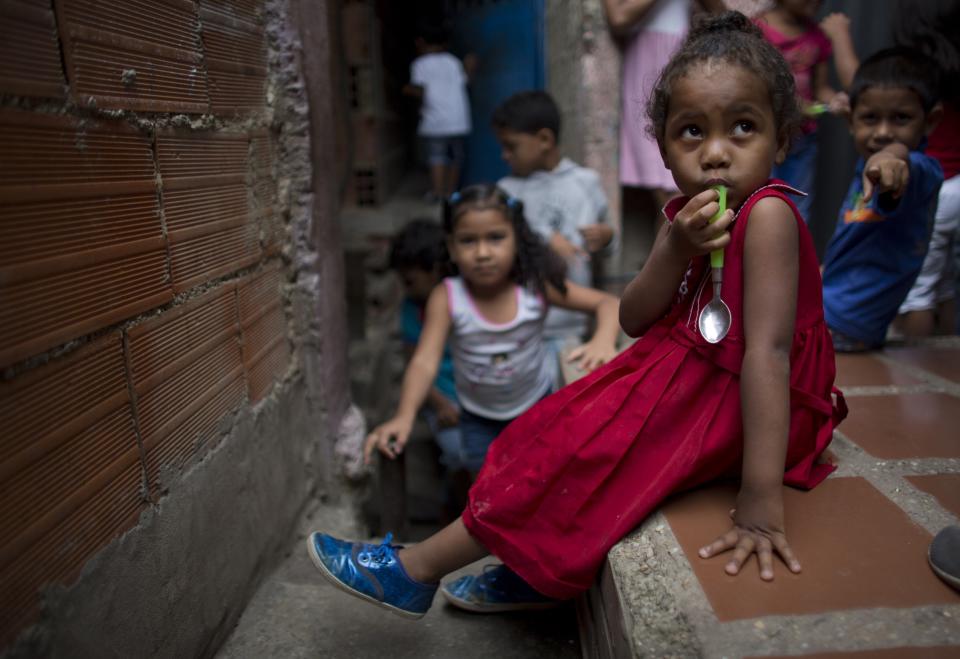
(884, 225)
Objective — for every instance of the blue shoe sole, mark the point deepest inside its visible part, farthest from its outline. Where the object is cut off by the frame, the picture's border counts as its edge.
(332, 578)
(505, 607)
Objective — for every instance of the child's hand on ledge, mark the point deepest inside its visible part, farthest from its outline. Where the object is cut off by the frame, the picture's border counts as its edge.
(757, 528)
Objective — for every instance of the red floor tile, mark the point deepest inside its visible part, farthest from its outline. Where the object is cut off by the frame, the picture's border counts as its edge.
(944, 362)
(922, 425)
(848, 536)
(944, 487)
(867, 370)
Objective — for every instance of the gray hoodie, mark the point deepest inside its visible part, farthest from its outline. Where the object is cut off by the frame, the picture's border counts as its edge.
(563, 200)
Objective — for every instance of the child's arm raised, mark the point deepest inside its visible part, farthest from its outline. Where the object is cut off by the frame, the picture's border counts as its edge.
(770, 275)
(691, 234)
(622, 15)
(390, 437)
(837, 28)
(602, 347)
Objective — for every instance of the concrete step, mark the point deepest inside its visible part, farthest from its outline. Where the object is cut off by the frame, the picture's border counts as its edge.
(297, 614)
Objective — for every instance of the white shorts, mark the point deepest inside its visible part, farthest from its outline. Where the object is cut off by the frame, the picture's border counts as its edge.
(935, 283)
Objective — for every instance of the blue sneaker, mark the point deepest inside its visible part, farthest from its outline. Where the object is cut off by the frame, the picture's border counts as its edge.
(371, 572)
(498, 589)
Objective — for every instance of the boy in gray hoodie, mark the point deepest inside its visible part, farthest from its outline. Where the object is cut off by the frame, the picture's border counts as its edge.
(563, 202)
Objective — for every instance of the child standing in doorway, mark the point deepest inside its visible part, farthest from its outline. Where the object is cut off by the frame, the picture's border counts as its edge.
(790, 26)
(582, 468)
(440, 80)
(882, 234)
(563, 202)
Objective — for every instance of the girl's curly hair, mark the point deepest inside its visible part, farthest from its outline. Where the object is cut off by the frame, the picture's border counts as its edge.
(729, 37)
(535, 265)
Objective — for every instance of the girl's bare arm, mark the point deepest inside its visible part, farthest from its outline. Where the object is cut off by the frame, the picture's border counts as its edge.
(837, 28)
(624, 14)
(770, 275)
(648, 297)
(390, 437)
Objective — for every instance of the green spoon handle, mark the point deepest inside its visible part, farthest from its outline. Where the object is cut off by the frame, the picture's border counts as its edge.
(716, 256)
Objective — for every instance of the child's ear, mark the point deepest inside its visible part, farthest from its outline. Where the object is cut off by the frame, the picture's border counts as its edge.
(546, 138)
(783, 146)
(663, 155)
(933, 118)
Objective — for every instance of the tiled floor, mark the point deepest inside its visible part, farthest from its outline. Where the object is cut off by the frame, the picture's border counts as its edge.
(866, 589)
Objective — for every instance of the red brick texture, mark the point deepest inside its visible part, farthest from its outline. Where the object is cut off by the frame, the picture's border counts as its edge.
(142, 303)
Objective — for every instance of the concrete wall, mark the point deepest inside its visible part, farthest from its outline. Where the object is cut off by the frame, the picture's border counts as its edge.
(583, 75)
(172, 324)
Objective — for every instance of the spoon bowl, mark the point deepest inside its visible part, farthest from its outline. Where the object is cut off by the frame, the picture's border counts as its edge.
(714, 319)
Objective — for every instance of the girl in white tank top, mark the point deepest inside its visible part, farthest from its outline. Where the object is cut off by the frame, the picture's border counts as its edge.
(493, 313)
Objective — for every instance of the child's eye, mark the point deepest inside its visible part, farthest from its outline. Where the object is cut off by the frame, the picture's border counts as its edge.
(903, 119)
(690, 131)
(466, 240)
(743, 128)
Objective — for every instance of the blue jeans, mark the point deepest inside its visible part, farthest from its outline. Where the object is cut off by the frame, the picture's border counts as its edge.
(478, 433)
(799, 169)
(450, 440)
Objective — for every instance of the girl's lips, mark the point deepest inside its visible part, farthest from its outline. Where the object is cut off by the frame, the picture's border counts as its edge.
(716, 181)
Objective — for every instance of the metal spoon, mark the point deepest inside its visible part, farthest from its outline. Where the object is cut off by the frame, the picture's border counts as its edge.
(714, 319)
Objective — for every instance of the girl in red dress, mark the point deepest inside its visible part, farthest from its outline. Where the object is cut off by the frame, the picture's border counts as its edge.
(581, 469)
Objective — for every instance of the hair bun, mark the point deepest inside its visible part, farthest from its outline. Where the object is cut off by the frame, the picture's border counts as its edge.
(728, 21)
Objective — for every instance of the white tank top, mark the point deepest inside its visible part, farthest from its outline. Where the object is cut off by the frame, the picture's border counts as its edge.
(500, 369)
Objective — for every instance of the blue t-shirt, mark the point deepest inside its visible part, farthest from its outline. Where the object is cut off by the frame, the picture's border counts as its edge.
(411, 325)
(876, 252)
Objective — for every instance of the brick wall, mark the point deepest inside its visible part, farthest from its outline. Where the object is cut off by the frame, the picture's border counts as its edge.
(141, 265)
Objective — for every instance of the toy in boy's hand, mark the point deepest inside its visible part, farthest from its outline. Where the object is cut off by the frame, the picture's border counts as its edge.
(886, 171)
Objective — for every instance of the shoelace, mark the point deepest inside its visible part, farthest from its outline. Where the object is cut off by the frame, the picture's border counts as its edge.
(380, 554)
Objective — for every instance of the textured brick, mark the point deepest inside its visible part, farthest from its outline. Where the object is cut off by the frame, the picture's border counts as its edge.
(210, 229)
(264, 331)
(29, 53)
(236, 56)
(134, 54)
(81, 245)
(69, 456)
(187, 373)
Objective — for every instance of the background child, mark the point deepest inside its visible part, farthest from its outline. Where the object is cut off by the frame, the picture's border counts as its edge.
(563, 202)
(419, 257)
(581, 469)
(884, 226)
(494, 313)
(789, 26)
(439, 80)
(933, 28)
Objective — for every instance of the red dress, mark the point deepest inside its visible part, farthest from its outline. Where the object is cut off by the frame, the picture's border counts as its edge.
(581, 469)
